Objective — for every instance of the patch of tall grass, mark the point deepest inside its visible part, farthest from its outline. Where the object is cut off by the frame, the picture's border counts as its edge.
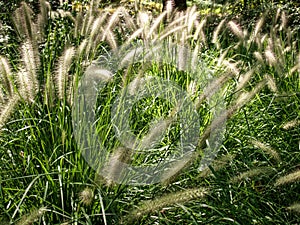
(254, 179)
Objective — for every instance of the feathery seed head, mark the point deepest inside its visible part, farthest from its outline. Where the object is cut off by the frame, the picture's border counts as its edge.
(174, 198)
(192, 88)
(199, 31)
(31, 63)
(127, 18)
(267, 149)
(212, 88)
(284, 21)
(86, 25)
(243, 97)
(64, 64)
(42, 19)
(247, 96)
(86, 196)
(290, 178)
(232, 67)
(270, 57)
(182, 57)
(176, 168)
(278, 14)
(32, 217)
(259, 57)
(217, 165)
(271, 83)
(26, 86)
(258, 27)
(291, 124)
(114, 19)
(192, 15)
(261, 41)
(114, 168)
(235, 28)
(243, 79)
(215, 39)
(96, 26)
(296, 66)
(169, 6)
(82, 47)
(252, 173)
(156, 23)
(155, 134)
(6, 76)
(2, 98)
(8, 109)
(141, 32)
(143, 19)
(111, 39)
(222, 58)
(23, 21)
(294, 207)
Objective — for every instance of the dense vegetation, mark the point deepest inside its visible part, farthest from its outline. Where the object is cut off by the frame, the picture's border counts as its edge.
(88, 75)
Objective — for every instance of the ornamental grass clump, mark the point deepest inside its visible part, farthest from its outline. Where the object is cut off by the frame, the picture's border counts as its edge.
(233, 77)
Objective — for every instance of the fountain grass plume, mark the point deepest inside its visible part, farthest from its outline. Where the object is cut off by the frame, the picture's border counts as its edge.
(97, 23)
(111, 39)
(7, 109)
(6, 76)
(61, 75)
(259, 57)
(192, 15)
(297, 65)
(32, 217)
(114, 168)
(236, 29)
(2, 97)
(22, 19)
(42, 19)
(212, 88)
(217, 165)
(84, 20)
(291, 124)
(156, 23)
(114, 19)
(252, 173)
(155, 134)
(172, 31)
(287, 179)
(270, 57)
(86, 196)
(244, 79)
(294, 207)
(31, 64)
(227, 114)
(257, 29)
(199, 33)
(151, 206)
(81, 50)
(127, 19)
(267, 149)
(215, 39)
(26, 88)
(284, 21)
(271, 83)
